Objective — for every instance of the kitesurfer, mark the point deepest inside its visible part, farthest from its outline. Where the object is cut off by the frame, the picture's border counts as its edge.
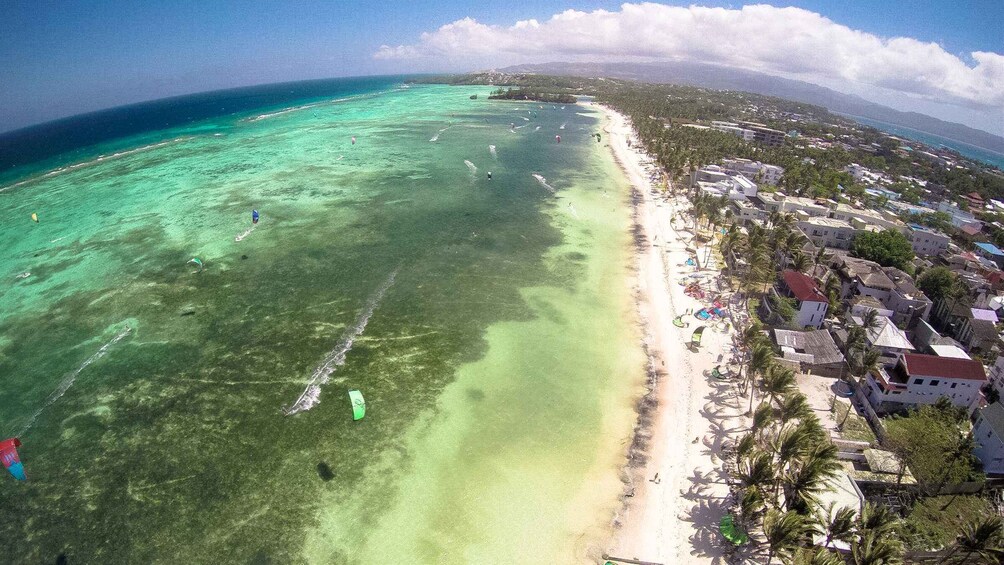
(254, 216)
(489, 175)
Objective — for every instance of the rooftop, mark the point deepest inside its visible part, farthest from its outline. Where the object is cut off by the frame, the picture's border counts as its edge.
(802, 287)
(994, 415)
(990, 248)
(886, 334)
(948, 350)
(868, 272)
(826, 222)
(815, 347)
(944, 367)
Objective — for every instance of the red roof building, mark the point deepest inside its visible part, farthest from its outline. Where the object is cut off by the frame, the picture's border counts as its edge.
(923, 379)
(811, 303)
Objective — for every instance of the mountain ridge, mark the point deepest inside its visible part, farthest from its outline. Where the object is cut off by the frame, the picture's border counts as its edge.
(724, 78)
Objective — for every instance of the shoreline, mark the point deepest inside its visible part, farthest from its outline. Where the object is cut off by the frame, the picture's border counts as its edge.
(675, 487)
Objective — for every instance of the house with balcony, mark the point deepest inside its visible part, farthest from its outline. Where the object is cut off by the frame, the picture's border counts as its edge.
(917, 379)
(828, 232)
(810, 303)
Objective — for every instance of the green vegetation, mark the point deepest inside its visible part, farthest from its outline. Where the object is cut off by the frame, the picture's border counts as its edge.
(936, 443)
(530, 94)
(888, 248)
(933, 523)
(938, 283)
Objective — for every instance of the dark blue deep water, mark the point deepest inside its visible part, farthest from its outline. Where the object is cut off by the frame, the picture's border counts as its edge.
(46, 146)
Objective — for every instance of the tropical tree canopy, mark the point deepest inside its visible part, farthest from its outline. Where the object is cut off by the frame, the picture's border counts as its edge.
(888, 248)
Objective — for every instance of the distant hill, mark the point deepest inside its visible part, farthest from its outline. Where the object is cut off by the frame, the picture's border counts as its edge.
(723, 78)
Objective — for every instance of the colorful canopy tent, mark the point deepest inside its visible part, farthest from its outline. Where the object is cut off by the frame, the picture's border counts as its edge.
(358, 404)
(695, 340)
(733, 533)
(8, 454)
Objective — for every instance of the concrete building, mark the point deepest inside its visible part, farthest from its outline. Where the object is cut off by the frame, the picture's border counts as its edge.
(990, 251)
(988, 433)
(890, 286)
(960, 218)
(887, 221)
(780, 202)
(764, 134)
(810, 303)
(762, 172)
(734, 129)
(927, 241)
(828, 232)
(923, 379)
(890, 341)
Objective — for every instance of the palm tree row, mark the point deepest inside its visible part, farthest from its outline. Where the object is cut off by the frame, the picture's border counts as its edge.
(785, 461)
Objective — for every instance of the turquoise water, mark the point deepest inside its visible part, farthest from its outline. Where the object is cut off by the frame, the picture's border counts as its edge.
(488, 323)
(973, 152)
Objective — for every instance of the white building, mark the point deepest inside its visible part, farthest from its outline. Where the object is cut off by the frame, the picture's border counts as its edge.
(810, 303)
(867, 217)
(960, 218)
(988, 432)
(923, 379)
(927, 241)
(768, 174)
(827, 232)
(734, 129)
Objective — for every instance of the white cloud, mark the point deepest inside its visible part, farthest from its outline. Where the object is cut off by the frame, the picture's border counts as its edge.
(788, 41)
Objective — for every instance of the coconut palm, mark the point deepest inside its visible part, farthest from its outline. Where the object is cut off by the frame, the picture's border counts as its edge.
(745, 445)
(836, 523)
(808, 476)
(981, 541)
(872, 548)
(878, 518)
(777, 382)
(751, 504)
(763, 417)
(784, 532)
(761, 362)
(800, 262)
(756, 470)
(818, 556)
(793, 406)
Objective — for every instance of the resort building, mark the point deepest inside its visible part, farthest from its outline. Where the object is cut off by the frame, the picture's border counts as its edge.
(828, 232)
(763, 134)
(988, 433)
(923, 379)
(734, 129)
(779, 202)
(927, 241)
(760, 172)
(869, 218)
(810, 303)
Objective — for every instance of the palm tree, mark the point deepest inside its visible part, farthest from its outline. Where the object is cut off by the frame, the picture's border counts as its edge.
(878, 518)
(809, 476)
(763, 417)
(751, 504)
(777, 382)
(800, 262)
(836, 523)
(756, 471)
(793, 407)
(981, 541)
(761, 362)
(784, 532)
(872, 548)
(819, 556)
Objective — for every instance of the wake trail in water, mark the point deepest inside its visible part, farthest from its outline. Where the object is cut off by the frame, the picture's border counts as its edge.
(311, 395)
(536, 128)
(563, 125)
(435, 138)
(525, 118)
(543, 183)
(472, 168)
(246, 233)
(491, 149)
(69, 379)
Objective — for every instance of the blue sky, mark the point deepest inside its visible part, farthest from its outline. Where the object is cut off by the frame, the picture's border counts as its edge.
(63, 58)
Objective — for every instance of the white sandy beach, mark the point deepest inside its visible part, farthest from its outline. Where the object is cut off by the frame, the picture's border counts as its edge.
(673, 520)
